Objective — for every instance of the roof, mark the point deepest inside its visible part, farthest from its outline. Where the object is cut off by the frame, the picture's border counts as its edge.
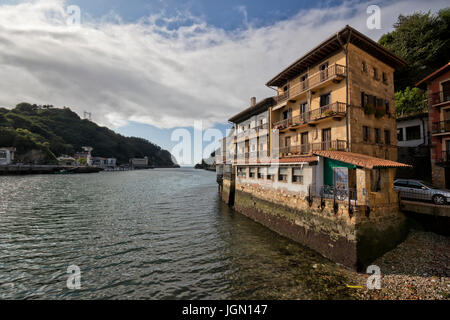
(433, 75)
(259, 107)
(333, 45)
(361, 160)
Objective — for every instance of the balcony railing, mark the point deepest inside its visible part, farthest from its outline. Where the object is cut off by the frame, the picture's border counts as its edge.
(440, 127)
(337, 145)
(255, 130)
(330, 110)
(439, 97)
(299, 86)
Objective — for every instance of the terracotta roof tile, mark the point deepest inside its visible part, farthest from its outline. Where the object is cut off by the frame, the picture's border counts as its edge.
(361, 160)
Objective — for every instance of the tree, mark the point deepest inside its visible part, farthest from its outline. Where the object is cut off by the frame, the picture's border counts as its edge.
(423, 41)
(410, 101)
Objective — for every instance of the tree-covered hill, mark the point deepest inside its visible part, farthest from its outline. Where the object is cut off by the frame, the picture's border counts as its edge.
(55, 132)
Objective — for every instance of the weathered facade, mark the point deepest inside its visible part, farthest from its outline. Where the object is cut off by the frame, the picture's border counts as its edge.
(438, 87)
(322, 173)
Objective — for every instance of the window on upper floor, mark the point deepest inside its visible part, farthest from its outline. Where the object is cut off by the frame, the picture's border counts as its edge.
(375, 73)
(385, 80)
(413, 133)
(377, 135)
(366, 134)
(364, 67)
(387, 137)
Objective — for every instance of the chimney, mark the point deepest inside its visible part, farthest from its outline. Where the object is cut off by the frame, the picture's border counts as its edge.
(253, 101)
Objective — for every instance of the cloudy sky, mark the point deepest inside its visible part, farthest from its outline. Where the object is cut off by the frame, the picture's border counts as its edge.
(144, 68)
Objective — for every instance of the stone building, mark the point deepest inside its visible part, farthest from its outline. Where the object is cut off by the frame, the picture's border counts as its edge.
(322, 173)
(438, 86)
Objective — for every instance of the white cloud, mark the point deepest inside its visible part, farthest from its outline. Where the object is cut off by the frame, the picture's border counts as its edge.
(150, 73)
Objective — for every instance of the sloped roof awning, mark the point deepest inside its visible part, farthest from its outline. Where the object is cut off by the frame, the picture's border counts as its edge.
(431, 76)
(361, 160)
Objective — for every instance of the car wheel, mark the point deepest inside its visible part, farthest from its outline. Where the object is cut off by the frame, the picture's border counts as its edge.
(438, 199)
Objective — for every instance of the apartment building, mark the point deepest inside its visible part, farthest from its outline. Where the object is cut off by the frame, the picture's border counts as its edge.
(339, 96)
(317, 161)
(438, 86)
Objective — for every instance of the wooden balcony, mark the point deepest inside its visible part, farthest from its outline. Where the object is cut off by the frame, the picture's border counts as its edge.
(337, 145)
(335, 72)
(336, 110)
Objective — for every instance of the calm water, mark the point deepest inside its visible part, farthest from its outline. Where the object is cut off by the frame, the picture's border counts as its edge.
(155, 234)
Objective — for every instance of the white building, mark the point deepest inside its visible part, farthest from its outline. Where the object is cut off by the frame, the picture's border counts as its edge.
(412, 131)
(139, 162)
(7, 155)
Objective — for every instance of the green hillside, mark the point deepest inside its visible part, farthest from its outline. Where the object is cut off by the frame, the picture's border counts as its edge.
(54, 132)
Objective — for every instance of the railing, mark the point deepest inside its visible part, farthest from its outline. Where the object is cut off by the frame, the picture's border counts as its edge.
(331, 192)
(439, 97)
(337, 145)
(255, 130)
(440, 127)
(300, 86)
(330, 110)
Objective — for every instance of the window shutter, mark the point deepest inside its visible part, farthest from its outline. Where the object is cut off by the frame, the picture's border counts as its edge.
(284, 171)
(297, 172)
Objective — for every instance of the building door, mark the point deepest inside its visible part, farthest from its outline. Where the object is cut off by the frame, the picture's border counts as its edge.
(323, 71)
(304, 143)
(326, 139)
(324, 102)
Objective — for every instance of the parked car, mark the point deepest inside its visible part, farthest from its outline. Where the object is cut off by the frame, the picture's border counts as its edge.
(419, 190)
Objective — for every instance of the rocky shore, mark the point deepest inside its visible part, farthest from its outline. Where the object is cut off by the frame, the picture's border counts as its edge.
(418, 269)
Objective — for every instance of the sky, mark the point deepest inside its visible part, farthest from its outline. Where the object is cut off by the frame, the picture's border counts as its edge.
(146, 68)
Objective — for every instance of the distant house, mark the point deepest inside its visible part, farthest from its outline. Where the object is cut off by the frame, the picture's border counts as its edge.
(7, 155)
(412, 131)
(67, 161)
(85, 154)
(103, 162)
(137, 163)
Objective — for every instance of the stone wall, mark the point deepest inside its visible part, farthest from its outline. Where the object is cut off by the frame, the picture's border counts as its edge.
(350, 233)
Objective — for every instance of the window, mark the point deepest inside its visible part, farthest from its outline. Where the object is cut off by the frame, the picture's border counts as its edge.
(384, 78)
(283, 174)
(242, 172)
(325, 99)
(375, 73)
(286, 114)
(415, 185)
(261, 173)
(286, 88)
(303, 108)
(387, 137)
(377, 135)
(400, 134)
(297, 176)
(401, 183)
(252, 173)
(413, 133)
(386, 105)
(366, 134)
(271, 173)
(2, 154)
(364, 67)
